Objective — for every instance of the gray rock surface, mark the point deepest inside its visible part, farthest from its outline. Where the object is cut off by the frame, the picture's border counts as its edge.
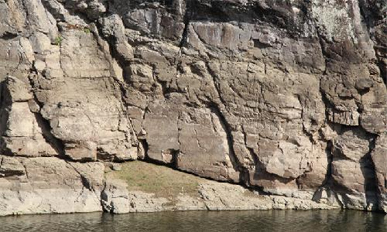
(49, 185)
(213, 196)
(285, 96)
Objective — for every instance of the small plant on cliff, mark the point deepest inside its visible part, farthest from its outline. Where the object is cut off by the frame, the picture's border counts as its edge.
(58, 40)
(87, 30)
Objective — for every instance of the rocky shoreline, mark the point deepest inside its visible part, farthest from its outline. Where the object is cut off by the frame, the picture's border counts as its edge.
(285, 97)
(51, 185)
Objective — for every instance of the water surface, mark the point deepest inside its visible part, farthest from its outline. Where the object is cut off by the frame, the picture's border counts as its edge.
(274, 220)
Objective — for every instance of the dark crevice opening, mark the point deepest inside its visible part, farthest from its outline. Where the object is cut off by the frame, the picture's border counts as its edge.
(8, 36)
(369, 173)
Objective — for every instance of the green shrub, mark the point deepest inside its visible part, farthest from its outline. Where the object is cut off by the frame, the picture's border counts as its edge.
(87, 30)
(58, 40)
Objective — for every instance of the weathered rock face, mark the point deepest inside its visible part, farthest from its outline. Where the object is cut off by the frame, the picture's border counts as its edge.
(49, 185)
(285, 96)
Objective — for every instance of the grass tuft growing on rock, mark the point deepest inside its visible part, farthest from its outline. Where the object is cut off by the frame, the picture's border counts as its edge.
(58, 41)
(161, 180)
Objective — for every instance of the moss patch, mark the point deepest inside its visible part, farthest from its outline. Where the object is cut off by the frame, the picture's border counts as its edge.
(161, 180)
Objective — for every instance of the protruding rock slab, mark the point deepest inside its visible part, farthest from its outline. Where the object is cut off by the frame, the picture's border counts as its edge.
(24, 132)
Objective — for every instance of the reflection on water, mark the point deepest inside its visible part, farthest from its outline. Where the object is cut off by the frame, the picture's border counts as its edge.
(291, 221)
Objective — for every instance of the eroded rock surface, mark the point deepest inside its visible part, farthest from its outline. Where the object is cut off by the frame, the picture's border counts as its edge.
(49, 185)
(284, 96)
(180, 191)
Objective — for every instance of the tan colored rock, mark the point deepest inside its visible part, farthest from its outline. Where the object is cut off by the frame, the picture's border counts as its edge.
(115, 197)
(211, 195)
(11, 167)
(286, 97)
(352, 144)
(24, 131)
(146, 202)
(49, 185)
(83, 151)
(352, 169)
(161, 128)
(169, 134)
(380, 162)
(219, 196)
(101, 125)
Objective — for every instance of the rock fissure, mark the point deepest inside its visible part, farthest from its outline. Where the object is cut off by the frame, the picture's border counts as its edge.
(187, 19)
(8, 36)
(370, 177)
(45, 127)
(226, 127)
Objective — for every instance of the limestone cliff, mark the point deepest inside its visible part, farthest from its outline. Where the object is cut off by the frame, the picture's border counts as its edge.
(286, 97)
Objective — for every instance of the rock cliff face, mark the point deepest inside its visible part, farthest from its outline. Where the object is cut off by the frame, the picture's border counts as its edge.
(284, 97)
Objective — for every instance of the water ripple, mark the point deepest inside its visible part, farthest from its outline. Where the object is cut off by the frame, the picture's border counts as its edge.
(270, 221)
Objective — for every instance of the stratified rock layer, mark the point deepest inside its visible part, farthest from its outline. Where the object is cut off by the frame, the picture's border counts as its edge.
(49, 185)
(284, 96)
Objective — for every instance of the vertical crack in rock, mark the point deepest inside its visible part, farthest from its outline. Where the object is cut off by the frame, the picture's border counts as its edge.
(327, 183)
(215, 84)
(114, 54)
(187, 20)
(328, 175)
(258, 169)
(382, 66)
(44, 124)
(366, 165)
(370, 177)
(122, 86)
(85, 182)
(56, 143)
(104, 198)
(326, 186)
(7, 104)
(25, 169)
(4, 115)
(329, 189)
(226, 127)
(145, 147)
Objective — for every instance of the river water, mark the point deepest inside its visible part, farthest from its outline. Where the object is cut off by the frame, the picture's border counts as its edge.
(275, 220)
